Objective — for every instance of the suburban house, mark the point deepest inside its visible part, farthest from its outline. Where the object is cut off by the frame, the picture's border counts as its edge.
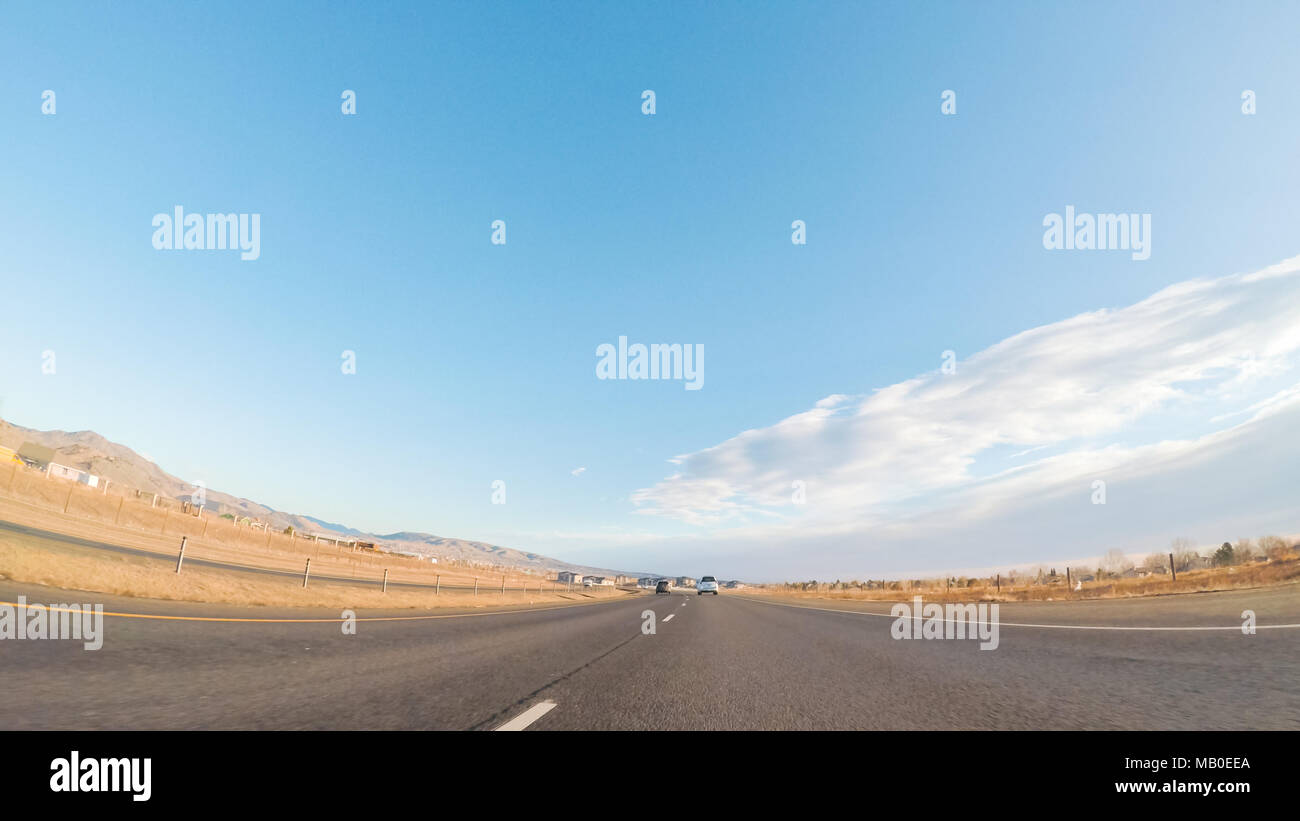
(569, 576)
(64, 472)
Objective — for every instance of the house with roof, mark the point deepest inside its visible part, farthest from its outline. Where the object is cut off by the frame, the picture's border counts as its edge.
(58, 471)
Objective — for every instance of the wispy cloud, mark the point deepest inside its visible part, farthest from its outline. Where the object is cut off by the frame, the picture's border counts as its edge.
(1107, 394)
(578, 471)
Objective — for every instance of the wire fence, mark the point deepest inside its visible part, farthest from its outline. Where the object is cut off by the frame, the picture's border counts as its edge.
(127, 519)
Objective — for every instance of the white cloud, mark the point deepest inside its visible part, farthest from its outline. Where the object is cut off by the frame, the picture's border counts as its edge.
(578, 471)
(1126, 395)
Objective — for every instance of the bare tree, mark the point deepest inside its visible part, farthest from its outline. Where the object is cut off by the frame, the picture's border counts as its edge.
(1115, 562)
(1274, 547)
(1243, 551)
(1185, 554)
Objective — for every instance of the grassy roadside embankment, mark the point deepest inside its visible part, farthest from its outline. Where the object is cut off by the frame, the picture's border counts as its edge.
(1284, 570)
(62, 507)
(27, 560)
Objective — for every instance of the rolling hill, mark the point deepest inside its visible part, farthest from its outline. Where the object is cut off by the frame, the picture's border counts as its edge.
(89, 451)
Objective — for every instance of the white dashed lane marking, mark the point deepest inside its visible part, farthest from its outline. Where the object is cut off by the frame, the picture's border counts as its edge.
(527, 717)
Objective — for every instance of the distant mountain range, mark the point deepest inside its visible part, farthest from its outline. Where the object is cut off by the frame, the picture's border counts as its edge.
(88, 451)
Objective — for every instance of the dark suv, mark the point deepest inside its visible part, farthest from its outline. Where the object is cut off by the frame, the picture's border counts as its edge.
(662, 587)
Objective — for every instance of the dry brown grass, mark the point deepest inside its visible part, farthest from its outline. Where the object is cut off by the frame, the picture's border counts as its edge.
(1283, 570)
(123, 575)
(29, 498)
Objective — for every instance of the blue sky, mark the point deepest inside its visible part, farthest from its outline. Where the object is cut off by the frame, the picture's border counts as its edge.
(476, 362)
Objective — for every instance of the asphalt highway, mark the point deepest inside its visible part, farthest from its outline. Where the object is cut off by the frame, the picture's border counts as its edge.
(729, 662)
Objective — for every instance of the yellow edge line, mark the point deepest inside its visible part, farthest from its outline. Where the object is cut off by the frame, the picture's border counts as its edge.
(158, 617)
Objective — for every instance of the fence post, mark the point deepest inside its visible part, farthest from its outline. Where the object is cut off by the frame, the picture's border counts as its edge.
(437, 589)
(999, 582)
(476, 585)
(385, 579)
(1173, 571)
(181, 558)
(1068, 584)
(306, 572)
(503, 584)
(68, 501)
(119, 510)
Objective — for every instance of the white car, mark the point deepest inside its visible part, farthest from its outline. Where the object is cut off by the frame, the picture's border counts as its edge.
(708, 584)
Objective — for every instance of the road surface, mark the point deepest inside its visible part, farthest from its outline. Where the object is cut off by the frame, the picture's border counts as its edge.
(713, 663)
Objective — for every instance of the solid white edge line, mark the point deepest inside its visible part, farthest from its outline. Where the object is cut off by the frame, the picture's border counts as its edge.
(1014, 624)
(527, 717)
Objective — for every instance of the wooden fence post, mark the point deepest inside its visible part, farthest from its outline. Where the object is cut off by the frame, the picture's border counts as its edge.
(306, 572)
(181, 557)
(1173, 570)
